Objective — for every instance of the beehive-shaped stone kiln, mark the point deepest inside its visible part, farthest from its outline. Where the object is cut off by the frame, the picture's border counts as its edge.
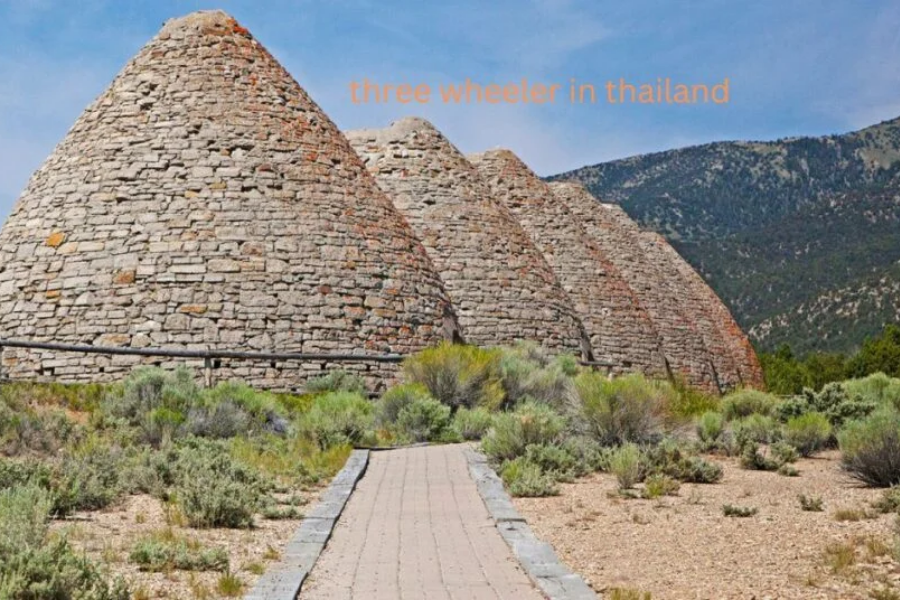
(501, 286)
(621, 331)
(693, 347)
(205, 201)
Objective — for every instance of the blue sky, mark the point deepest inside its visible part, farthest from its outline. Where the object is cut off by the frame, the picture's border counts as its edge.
(798, 67)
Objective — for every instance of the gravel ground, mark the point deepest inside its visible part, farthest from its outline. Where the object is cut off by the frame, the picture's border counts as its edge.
(683, 547)
(108, 536)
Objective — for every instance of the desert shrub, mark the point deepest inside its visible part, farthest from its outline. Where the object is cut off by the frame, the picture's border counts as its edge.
(783, 453)
(527, 372)
(658, 485)
(808, 433)
(730, 510)
(396, 399)
(423, 420)
(811, 503)
(525, 479)
(219, 421)
(458, 375)
(759, 458)
(743, 403)
(512, 432)
(755, 429)
(695, 469)
(710, 427)
(149, 388)
(337, 381)
(791, 407)
(24, 429)
(213, 490)
(788, 470)
(339, 418)
(87, 479)
(627, 465)
(589, 455)
(553, 460)
(162, 551)
(472, 423)
(33, 567)
(889, 501)
(870, 448)
(19, 473)
(838, 404)
(878, 389)
(624, 409)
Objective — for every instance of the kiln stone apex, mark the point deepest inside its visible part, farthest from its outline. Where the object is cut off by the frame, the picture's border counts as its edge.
(205, 201)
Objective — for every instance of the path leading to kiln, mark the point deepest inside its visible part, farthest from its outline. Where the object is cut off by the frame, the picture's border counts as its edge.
(416, 527)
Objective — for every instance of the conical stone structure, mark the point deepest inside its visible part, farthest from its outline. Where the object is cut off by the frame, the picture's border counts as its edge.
(658, 293)
(621, 331)
(748, 369)
(659, 290)
(205, 201)
(500, 285)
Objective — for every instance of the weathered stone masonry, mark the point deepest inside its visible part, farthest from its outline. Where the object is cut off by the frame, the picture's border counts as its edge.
(620, 329)
(205, 201)
(501, 287)
(693, 346)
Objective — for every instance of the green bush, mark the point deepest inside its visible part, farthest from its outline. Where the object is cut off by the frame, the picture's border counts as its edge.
(553, 460)
(530, 423)
(710, 427)
(808, 433)
(589, 455)
(838, 404)
(743, 403)
(658, 485)
(730, 510)
(757, 458)
(423, 420)
(339, 418)
(627, 465)
(337, 381)
(19, 473)
(870, 448)
(458, 375)
(784, 453)
(24, 429)
(87, 479)
(215, 491)
(221, 420)
(694, 469)
(630, 408)
(149, 388)
(690, 402)
(35, 568)
(755, 429)
(163, 551)
(472, 423)
(525, 479)
(672, 458)
(878, 389)
(811, 503)
(791, 407)
(396, 399)
(889, 501)
(527, 372)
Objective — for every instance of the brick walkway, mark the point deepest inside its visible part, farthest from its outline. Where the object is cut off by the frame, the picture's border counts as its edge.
(416, 528)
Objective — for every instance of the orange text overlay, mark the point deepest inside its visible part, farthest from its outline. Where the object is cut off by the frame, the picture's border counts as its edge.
(621, 91)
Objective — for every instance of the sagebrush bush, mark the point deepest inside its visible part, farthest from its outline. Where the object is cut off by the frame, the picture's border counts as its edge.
(339, 418)
(164, 550)
(221, 420)
(630, 408)
(512, 432)
(337, 381)
(878, 389)
(423, 420)
(458, 375)
(759, 458)
(808, 433)
(553, 460)
(589, 455)
(677, 460)
(213, 490)
(889, 501)
(472, 423)
(525, 479)
(24, 429)
(783, 453)
(710, 427)
(870, 448)
(743, 403)
(658, 485)
(626, 463)
(149, 388)
(755, 429)
(695, 469)
(838, 404)
(396, 399)
(528, 372)
(690, 402)
(87, 479)
(33, 567)
(19, 473)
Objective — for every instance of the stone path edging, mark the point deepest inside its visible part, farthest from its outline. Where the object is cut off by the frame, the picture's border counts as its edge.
(536, 557)
(285, 578)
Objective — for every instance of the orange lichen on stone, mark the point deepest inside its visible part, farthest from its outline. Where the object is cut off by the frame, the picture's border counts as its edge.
(124, 277)
(56, 239)
(193, 309)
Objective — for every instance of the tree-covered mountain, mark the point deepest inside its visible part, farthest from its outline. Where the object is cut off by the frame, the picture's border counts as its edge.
(800, 237)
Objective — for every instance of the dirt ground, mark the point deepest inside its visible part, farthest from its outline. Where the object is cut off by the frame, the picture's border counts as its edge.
(684, 548)
(109, 535)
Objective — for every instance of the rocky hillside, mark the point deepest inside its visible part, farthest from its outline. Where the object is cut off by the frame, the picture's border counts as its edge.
(799, 236)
